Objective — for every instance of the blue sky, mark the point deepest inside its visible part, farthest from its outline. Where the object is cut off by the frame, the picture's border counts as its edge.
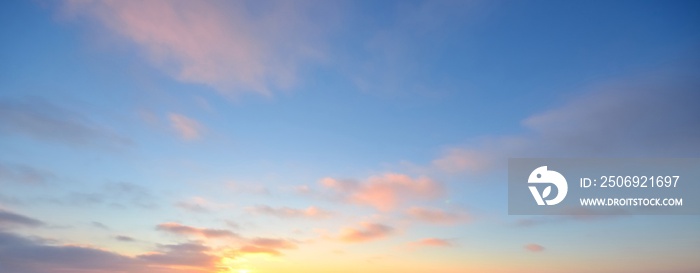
(364, 131)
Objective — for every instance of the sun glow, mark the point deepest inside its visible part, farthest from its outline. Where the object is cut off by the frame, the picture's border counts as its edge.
(231, 265)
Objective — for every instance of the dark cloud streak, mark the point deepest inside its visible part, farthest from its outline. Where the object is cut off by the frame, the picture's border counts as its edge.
(43, 120)
(21, 255)
(11, 219)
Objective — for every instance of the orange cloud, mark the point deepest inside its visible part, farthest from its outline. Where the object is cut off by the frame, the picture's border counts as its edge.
(432, 242)
(273, 243)
(385, 191)
(188, 230)
(435, 216)
(188, 254)
(269, 246)
(367, 232)
(251, 249)
(285, 212)
(534, 248)
(188, 128)
(222, 44)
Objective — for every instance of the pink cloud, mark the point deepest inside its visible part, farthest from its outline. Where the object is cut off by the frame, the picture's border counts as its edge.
(201, 205)
(534, 248)
(385, 191)
(457, 160)
(285, 212)
(436, 216)
(366, 232)
(188, 128)
(222, 44)
(194, 204)
(432, 242)
(273, 243)
(269, 246)
(202, 232)
(187, 254)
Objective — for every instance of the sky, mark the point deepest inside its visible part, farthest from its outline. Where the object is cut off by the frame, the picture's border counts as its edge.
(333, 136)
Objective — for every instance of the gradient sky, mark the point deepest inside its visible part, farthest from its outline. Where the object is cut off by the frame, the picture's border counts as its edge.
(333, 136)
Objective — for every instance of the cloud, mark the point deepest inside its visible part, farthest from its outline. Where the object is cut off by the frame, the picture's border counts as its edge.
(621, 110)
(187, 254)
(234, 47)
(611, 120)
(285, 212)
(273, 243)
(21, 255)
(18, 254)
(134, 194)
(269, 246)
(10, 219)
(456, 160)
(195, 204)
(365, 233)
(435, 216)
(432, 242)
(248, 188)
(99, 225)
(44, 121)
(188, 128)
(23, 174)
(123, 238)
(114, 194)
(533, 248)
(385, 191)
(180, 229)
(251, 249)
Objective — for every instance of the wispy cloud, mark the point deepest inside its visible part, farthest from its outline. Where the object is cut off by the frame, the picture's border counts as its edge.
(24, 174)
(200, 204)
(187, 128)
(269, 246)
(10, 219)
(286, 212)
(273, 242)
(180, 229)
(385, 191)
(114, 194)
(620, 109)
(99, 225)
(222, 44)
(187, 254)
(42, 120)
(366, 232)
(432, 242)
(533, 248)
(456, 160)
(123, 238)
(436, 216)
(252, 249)
(19, 254)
